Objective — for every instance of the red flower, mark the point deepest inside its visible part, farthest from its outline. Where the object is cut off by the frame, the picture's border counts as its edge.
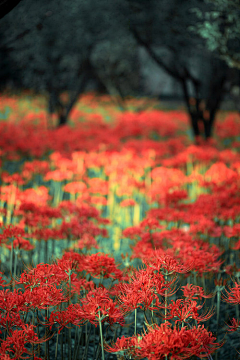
(143, 290)
(16, 343)
(165, 340)
(233, 295)
(101, 265)
(193, 292)
(167, 264)
(187, 309)
(62, 318)
(123, 346)
(97, 306)
(44, 296)
(234, 326)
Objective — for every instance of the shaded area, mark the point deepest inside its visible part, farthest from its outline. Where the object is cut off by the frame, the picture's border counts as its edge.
(6, 6)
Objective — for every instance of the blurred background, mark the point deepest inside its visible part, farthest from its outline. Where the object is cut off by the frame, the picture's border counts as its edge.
(180, 52)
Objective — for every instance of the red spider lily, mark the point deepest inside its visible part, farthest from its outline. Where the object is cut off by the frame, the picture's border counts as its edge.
(77, 285)
(11, 320)
(2, 281)
(234, 326)
(86, 242)
(166, 176)
(98, 186)
(58, 175)
(33, 221)
(168, 264)
(101, 265)
(44, 296)
(21, 244)
(38, 195)
(74, 229)
(34, 167)
(16, 343)
(97, 306)
(42, 274)
(232, 295)
(11, 232)
(98, 200)
(219, 173)
(47, 234)
(123, 346)
(9, 193)
(187, 309)
(62, 318)
(74, 256)
(13, 178)
(194, 292)
(12, 301)
(67, 265)
(133, 232)
(150, 224)
(75, 187)
(173, 197)
(165, 340)
(5, 357)
(127, 203)
(143, 290)
(44, 211)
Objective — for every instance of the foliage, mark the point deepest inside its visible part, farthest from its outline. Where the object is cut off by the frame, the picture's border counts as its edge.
(219, 26)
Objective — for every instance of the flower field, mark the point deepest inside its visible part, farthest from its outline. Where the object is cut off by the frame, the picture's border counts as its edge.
(119, 238)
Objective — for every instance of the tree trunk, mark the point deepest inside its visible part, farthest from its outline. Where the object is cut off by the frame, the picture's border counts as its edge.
(209, 124)
(62, 120)
(194, 120)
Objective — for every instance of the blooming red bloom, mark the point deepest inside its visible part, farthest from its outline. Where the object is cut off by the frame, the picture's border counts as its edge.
(232, 295)
(165, 340)
(44, 296)
(101, 265)
(187, 309)
(97, 306)
(234, 326)
(75, 187)
(193, 292)
(143, 290)
(123, 346)
(167, 263)
(22, 244)
(49, 274)
(16, 343)
(62, 318)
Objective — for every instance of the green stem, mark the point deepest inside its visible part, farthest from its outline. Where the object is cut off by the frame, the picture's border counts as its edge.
(11, 259)
(47, 342)
(69, 330)
(237, 311)
(16, 251)
(46, 252)
(101, 334)
(76, 355)
(218, 306)
(135, 322)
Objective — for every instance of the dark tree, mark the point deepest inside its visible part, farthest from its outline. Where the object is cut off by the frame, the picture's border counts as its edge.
(219, 27)
(162, 29)
(6, 6)
(56, 50)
